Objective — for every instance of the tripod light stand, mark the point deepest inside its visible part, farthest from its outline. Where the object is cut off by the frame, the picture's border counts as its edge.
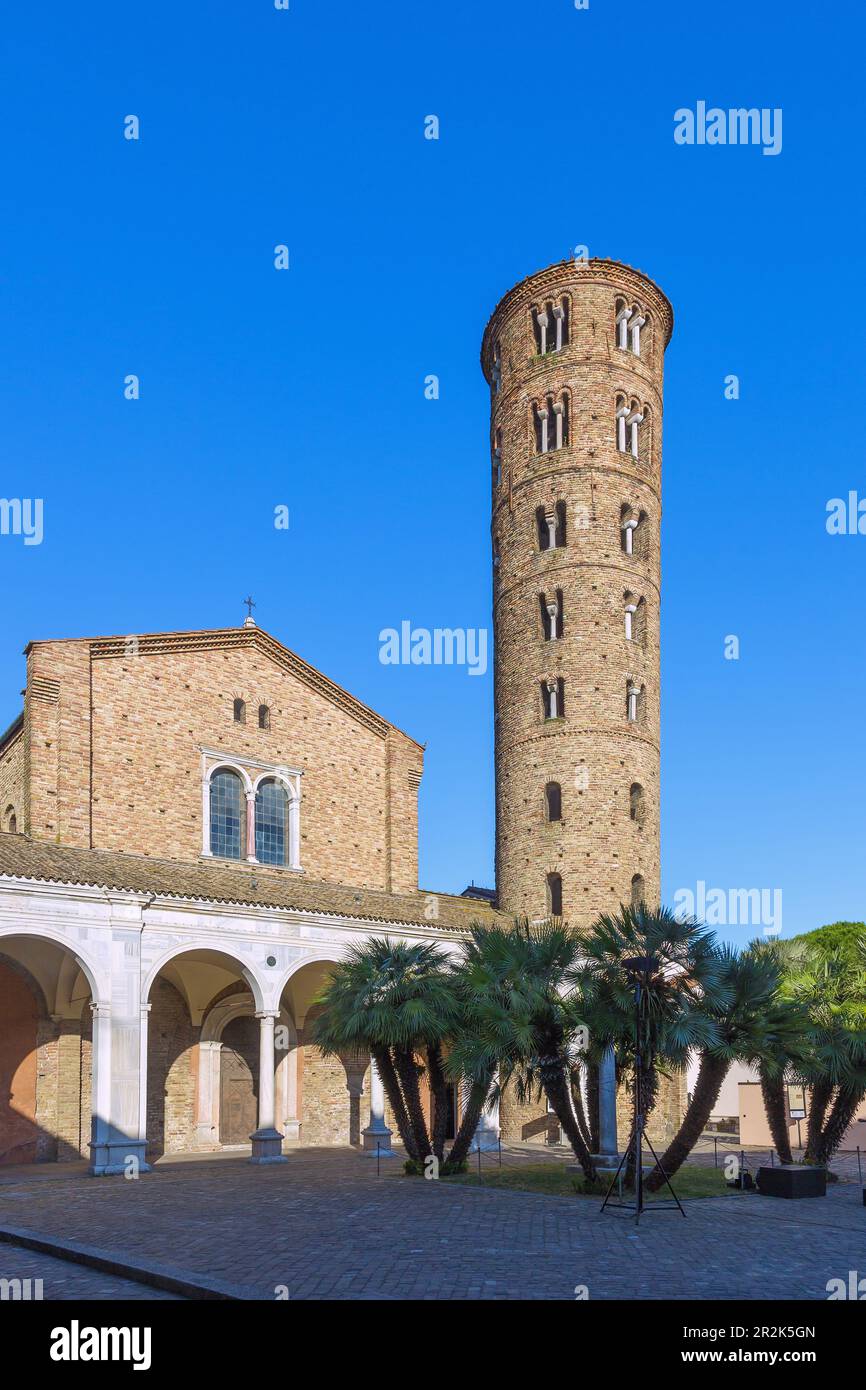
(640, 970)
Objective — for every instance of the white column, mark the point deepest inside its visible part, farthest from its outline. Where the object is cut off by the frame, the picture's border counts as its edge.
(607, 1140)
(559, 412)
(634, 329)
(377, 1135)
(251, 827)
(630, 610)
(553, 615)
(553, 692)
(632, 703)
(487, 1133)
(542, 325)
(267, 1140)
(552, 522)
(543, 417)
(205, 818)
(634, 421)
(559, 316)
(295, 832)
(629, 530)
(207, 1098)
(621, 417)
(622, 319)
(142, 1074)
(100, 1104)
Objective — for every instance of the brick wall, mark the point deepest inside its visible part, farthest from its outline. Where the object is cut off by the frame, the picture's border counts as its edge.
(149, 713)
(12, 781)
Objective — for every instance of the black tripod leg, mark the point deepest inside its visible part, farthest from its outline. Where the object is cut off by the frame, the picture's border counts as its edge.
(615, 1177)
(664, 1174)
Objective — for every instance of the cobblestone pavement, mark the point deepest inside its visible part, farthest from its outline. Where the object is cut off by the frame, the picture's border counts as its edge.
(63, 1280)
(323, 1225)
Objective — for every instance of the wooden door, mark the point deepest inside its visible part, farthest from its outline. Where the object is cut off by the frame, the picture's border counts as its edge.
(238, 1088)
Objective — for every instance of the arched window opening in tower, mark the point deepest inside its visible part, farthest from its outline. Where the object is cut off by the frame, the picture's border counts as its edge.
(553, 801)
(497, 367)
(550, 325)
(633, 532)
(550, 422)
(264, 717)
(635, 697)
(240, 712)
(227, 815)
(554, 895)
(634, 613)
(630, 319)
(637, 804)
(551, 615)
(497, 458)
(553, 697)
(272, 823)
(10, 820)
(638, 891)
(550, 524)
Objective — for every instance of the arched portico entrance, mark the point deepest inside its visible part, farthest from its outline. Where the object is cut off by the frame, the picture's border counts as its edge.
(330, 1089)
(197, 1098)
(46, 1062)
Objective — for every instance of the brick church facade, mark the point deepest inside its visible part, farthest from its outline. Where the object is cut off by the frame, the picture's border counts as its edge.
(199, 824)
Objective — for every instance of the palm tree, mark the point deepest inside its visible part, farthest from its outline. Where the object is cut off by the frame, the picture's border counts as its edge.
(525, 1017)
(395, 1000)
(831, 988)
(737, 1009)
(685, 980)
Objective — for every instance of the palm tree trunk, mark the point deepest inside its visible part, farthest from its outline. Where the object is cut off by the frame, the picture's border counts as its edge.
(552, 1071)
(577, 1102)
(774, 1093)
(844, 1109)
(439, 1091)
(472, 1113)
(649, 1084)
(391, 1086)
(820, 1098)
(409, 1073)
(593, 1117)
(711, 1074)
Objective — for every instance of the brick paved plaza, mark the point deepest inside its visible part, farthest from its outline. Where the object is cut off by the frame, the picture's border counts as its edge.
(325, 1226)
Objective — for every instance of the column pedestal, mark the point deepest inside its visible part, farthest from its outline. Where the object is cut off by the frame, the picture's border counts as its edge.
(377, 1135)
(266, 1140)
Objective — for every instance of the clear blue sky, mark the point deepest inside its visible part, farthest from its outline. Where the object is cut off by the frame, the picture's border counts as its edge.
(305, 388)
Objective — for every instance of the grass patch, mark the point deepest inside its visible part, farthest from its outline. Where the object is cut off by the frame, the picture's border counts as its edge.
(692, 1180)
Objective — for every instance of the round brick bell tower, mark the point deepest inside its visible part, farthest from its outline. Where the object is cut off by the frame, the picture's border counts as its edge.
(574, 357)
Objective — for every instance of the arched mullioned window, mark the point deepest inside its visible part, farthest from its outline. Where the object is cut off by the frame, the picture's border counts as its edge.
(554, 895)
(550, 422)
(638, 890)
(240, 712)
(227, 815)
(550, 526)
(637, 803)
(550, 325)
(264, 717)
(553, 801)
(272, 823)
(631, 323)
(634, 530)
(630, 417)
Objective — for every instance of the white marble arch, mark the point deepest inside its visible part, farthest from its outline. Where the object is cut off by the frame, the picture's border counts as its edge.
(207, 1116)
(193, 945)
(98, 979)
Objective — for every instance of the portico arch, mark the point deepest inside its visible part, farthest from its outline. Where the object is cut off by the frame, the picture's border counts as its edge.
(47, 1076)
(209, 1092)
